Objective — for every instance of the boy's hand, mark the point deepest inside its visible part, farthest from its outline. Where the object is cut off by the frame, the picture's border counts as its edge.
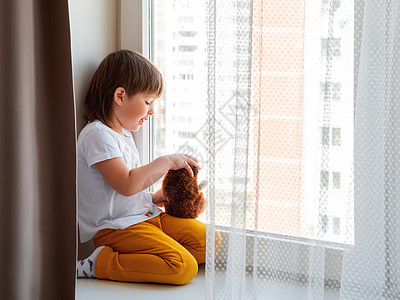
(183, 161)
(158, 198)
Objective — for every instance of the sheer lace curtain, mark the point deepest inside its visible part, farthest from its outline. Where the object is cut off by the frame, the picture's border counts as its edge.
(304, 146)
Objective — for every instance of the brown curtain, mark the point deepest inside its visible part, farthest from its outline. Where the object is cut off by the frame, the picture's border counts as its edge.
(37, 152)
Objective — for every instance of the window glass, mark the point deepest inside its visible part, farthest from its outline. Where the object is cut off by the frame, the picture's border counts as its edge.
(179, 51)
(294, 90)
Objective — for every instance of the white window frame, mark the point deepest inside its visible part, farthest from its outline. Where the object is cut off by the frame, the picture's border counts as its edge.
(134, 27)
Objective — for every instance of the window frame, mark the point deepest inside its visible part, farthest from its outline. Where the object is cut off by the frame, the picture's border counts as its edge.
(135, 30)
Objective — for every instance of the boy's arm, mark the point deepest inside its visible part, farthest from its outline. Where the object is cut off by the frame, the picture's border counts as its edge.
(129, 182)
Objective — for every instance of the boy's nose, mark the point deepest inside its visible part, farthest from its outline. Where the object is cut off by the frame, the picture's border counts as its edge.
(151, 109)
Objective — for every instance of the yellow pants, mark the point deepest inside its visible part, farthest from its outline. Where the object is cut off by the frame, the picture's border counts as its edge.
(164, 249)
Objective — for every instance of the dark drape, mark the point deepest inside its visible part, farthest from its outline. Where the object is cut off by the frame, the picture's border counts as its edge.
(37, 152)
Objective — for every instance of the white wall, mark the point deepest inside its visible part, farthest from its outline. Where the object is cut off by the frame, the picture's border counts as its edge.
(94, 34)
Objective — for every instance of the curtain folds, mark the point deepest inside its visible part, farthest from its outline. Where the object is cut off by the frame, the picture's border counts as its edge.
(372, 269)
(37, 137)
(304, 149)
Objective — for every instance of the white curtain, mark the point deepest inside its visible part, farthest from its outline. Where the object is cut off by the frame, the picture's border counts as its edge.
(372, 269)
(304, 149)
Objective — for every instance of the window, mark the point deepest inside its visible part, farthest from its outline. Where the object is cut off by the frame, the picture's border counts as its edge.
(183, 62)
(335, 46)
(336, 180)
(187, 48)
(324, 223)
(325, 136)
(324, 179)
(180, 52)
(186, 76)
(325, 7)
(336, 87)
(336, 225)
(185, 134)
(185, 19)
(188, 33)
(336, 136)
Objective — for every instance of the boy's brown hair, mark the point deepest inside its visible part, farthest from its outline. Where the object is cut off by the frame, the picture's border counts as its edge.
(122, 68)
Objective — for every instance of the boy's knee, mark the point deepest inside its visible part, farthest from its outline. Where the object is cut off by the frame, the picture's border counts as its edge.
(187, 270)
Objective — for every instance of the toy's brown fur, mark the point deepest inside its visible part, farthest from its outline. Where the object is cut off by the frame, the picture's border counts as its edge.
(182, 192)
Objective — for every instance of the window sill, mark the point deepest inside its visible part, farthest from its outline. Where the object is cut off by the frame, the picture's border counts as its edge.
(290, 239)
(194, 290)
(106, 289)
(281, 247)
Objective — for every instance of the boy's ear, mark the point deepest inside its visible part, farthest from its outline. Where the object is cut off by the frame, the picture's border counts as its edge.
(119, 95)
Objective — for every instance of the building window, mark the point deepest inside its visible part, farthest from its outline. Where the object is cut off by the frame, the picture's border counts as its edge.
(326, 5)
(185, 19)
(335, 90)
(324, 223)
(185, 120)
(336, 86)
(186, 76)
(325, 135)
(324, 179)
(336, 136)
(185, 62)
(336, 225)
(188, 33)
(335, 46)
(187, 48)
(186, 105)
(185, 134)
(185, 4)
(336, 180)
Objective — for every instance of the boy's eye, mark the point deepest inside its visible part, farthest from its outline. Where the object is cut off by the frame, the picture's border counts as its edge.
(147, 103)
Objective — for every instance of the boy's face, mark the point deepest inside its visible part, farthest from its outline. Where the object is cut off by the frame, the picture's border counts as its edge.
(135, 110)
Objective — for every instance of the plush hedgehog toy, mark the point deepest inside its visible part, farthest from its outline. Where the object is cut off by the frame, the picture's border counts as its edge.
(183, 193)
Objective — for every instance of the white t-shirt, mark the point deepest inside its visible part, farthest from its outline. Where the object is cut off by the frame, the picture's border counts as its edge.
(99, 205)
